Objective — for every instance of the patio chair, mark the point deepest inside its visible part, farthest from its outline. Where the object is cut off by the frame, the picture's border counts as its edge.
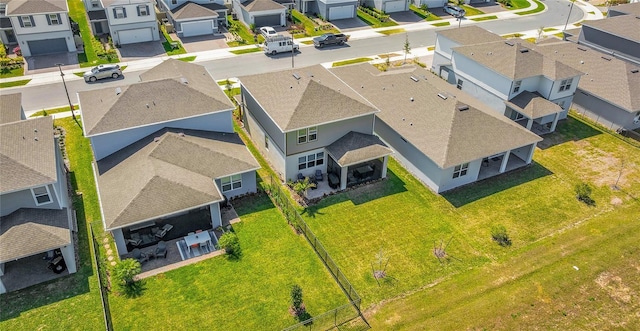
(191, 233)
(160, 234)
(167, 227)
(161, 250)
(300, 176)
(318, 175)
(139, 255)
(134, 242)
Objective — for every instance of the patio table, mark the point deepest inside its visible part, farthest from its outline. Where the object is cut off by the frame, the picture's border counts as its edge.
(363, 172)
(197, 239)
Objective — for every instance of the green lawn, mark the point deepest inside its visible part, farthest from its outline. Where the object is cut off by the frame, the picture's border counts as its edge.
(246, 50)
(406, 220)
(242, 31)
(90, 56)
(311, 28)
(471, 11)
(389, 32)
(428, 16)
(352, 61)
(46, 112)
(8, 73)
(441, 24)
(374, 22)
(485, 18)
(72, 302)
(15, 83)
(187, 58)
(249, 294)
(538, 9)
(519, 4)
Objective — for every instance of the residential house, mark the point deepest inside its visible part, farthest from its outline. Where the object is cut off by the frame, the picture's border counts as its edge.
(306, 119)
(260, 12)
(510, 76)
(35, 212)
(331, 10)
(195, 17)
(444, 136)
(127, 21)
(164, 148)
(39, 26)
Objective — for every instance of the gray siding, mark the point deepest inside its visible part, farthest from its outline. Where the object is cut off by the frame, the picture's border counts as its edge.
(610, 41)
(248, 185)
(11, 202)
(274, 154)
(605, 110)
(252, 106)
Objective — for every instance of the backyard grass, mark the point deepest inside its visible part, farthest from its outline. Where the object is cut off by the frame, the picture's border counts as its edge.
(389, 32)
(15, 83)
(471, 11)
(246, 50)
(374, 22)
(71, 302)
(352, 61)
(441, 24)
(46, 112)
(8, 73)
(538, 9)
(485, 18)
(252, 293)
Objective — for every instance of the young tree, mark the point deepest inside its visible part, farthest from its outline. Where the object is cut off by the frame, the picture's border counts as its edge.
(406, 47)
(124, 273)
(301, 186)
(229, 241)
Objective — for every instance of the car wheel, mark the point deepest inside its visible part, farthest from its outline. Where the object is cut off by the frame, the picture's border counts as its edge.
(93, 79)
(321, 45)
(115, 75)
(274, 52)
(341, 42)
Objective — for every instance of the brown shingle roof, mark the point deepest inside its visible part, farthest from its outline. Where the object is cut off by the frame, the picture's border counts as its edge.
(254, 6)
(28, 231)
(20, 7)
(189, 10)
(171, 90)
(166, 172)
(27, 154)
(316, 98)
(533, 105)
(468, 35)
(628, 8)
(10, 107)
(435, 126)
(356, 147)
(516, 59)
(606, 77)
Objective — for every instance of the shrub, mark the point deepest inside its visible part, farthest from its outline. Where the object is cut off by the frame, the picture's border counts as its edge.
(298, 308)
(583, 193)
(499, 234)
(229, 241)
(124, 272)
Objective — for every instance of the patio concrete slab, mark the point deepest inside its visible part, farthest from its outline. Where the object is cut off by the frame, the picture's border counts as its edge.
(140, 51)
(27, 272)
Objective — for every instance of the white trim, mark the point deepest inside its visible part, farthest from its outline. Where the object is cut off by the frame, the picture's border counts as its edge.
(35, 198)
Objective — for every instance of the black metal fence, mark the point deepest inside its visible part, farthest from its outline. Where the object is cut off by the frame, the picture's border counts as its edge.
(95, 247)
(345, 315)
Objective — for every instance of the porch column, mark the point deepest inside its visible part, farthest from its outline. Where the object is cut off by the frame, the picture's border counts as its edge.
(69, 255)
(2, 288)
(216, 218)
(530, 157)
(2, 269)
(555, 122)
(505, 159)
(384, 167)
(529, 123)
(121, 245)
(343, 178)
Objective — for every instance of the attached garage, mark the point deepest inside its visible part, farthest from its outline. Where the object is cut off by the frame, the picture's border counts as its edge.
(338, 13)
(394, 6)
(267, 20)
(48, 46)
(135, 36)
(191, 29)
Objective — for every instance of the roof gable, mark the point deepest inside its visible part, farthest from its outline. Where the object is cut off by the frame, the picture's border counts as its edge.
(20, 7)
(253, 6)
(189, 10)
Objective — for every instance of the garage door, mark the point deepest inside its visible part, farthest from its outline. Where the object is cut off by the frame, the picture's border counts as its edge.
(337, 13)
(135, 36)
(200, 28)
(39, 47)
(267, 20)
(394, 6)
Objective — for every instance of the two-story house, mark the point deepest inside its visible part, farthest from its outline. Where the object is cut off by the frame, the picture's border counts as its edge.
(306, 119)
(511, 77)
(260, 12)
(331, 10)
(7, 36)
(40, 26)
(127, 21)
(195, 17)
(35, 211)
(444, 136)
(164, 148)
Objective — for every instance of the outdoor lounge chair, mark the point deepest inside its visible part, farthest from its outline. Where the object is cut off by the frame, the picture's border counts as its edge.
(134, 242)
(139, 255)
(161, 250)
(318, 175)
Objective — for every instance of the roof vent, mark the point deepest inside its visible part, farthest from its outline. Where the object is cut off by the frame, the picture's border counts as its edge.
(296, 76)
(411, 99)
(118, 91)
(181, 134)
(414, 78)
(582, 49)
(524, 50)
(156, 139)
(36, 138)
(35, 130)
(634, 71)
(463, 107)
(581, 62)
(442, 96)
(147, 106)
(411, 124)
(291, 86)
(606, 58)
(510, 43)
(184, 80)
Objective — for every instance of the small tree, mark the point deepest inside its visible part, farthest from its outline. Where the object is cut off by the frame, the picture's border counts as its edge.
(298, 308)
(124, 273)
(499, 235)
(301, 186)
(583, 193)
(406, 48)
(229, 241)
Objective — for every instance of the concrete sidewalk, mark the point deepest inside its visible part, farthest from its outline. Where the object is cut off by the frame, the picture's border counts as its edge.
(590, 11)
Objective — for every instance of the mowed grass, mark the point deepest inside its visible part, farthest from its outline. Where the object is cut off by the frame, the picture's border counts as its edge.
(71, 302)
(250, 294)
(403, 219)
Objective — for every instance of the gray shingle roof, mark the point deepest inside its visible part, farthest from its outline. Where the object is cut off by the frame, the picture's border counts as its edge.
(10, 107)
(434, 125)
(28, 231)
(189, 10)
(471, 34)
(625, 26)
(628, 8)
(356, 147)
(254, 6)
(171, 90)
(516, 59)
(166, 172)
(20, 7)
(533, 105)
(316, 98)
(606, 77)
(27, 154)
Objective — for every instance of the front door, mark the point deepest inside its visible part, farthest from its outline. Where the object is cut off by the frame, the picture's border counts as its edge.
(11, 38)
(97, 28)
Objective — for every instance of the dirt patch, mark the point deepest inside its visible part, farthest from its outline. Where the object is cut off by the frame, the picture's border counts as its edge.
(614, 287)
(600, 167)
(616, 201)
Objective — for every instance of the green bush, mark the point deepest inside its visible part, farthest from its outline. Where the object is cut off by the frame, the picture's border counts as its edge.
(499, 234)
(3, 51)
(124, 273)
(229, 241)
(583, 193)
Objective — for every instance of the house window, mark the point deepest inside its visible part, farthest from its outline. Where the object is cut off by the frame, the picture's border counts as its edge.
(119, 12)
(459, 86)
(307, 135)
(310, 160)
(26, 21)
(41, 195)
(460, 170)
(143, 10)
(54, 19)
(266, 142)
(565, 84)
(516, 86)
(174, 2)
(95, 3)
(231, 183)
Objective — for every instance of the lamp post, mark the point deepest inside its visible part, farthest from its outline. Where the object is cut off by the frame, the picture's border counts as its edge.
(568, 16)
(66, 91)
(292, 51)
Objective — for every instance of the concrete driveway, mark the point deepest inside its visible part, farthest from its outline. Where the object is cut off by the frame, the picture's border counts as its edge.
(204, 43)
(405, 17)
(140, 51)
(47, 63)
(348, 24)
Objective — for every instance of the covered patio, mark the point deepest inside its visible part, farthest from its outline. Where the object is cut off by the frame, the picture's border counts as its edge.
(534, 112)
(504, 162)
(30, 239)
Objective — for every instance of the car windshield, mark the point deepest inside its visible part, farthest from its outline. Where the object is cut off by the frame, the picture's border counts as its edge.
(95, 70)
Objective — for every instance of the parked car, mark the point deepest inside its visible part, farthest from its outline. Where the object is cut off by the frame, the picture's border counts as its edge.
(330, 39)
(279, 44)
(268, 31)
(454, 11)
(103, 71)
